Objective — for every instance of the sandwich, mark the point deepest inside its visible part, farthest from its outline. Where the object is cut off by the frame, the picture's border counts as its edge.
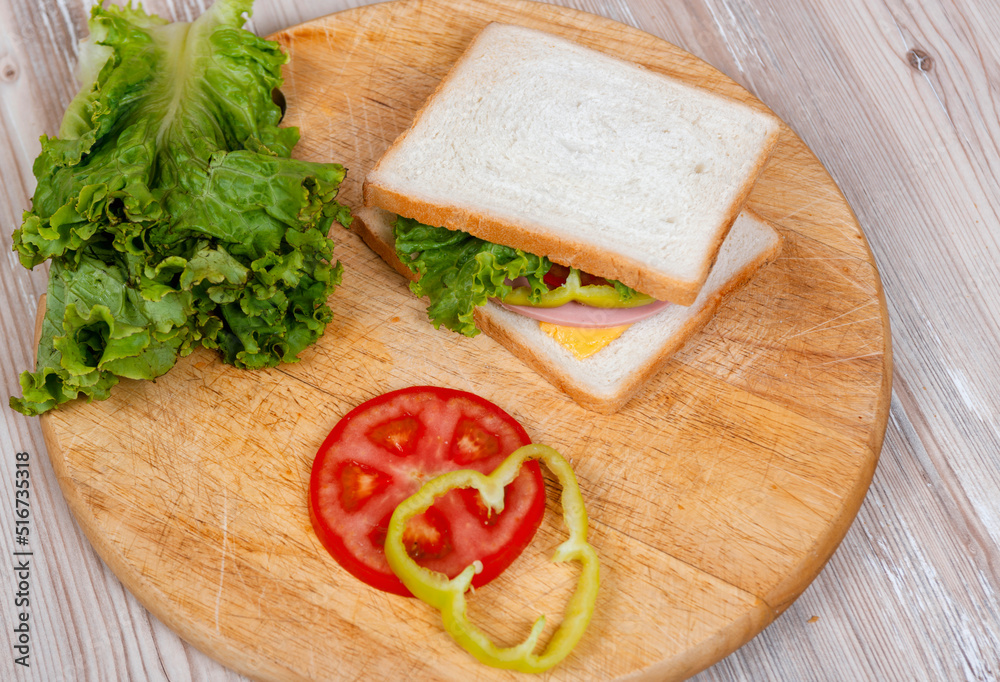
(583, 211)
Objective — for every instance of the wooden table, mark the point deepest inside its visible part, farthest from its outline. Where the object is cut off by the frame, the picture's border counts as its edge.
(896, 102)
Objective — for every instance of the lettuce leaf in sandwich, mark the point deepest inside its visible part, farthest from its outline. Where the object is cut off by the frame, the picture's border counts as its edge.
(458, 272)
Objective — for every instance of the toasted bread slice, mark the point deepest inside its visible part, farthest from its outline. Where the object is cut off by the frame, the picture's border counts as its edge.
(536, 142)
(605, 381)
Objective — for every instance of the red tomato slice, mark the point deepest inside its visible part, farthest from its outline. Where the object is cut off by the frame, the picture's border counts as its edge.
(557, 274)
(382, 451)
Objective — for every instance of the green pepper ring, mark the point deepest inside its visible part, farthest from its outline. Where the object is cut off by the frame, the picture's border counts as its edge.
(448, 596)
(593, 295)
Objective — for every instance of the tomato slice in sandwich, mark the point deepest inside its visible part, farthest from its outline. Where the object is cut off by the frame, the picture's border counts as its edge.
(382, 451)
(558, 274)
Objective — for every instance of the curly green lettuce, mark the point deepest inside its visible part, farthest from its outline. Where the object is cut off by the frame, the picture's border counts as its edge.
(458, 272)
(171, 212)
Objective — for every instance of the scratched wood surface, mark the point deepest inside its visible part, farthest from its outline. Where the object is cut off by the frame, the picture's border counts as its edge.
(895, 100)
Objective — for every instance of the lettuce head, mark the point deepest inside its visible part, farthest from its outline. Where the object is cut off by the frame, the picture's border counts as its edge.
(171, 212)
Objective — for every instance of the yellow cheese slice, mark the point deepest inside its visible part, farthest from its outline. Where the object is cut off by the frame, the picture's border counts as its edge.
(582, 342)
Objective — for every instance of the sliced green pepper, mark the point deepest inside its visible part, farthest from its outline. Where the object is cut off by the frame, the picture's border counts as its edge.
(448, 596)
(594, 295)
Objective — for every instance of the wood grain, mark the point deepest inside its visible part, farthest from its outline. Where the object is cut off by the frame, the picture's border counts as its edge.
(912, 593)
(716, 496)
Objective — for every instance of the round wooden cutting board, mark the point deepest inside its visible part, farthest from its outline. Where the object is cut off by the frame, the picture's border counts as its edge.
(715, 496)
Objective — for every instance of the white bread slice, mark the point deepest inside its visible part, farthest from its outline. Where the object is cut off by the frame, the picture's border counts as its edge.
(539, 143)
(605, 381)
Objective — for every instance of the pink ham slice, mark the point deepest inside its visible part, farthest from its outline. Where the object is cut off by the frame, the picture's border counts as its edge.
(575, 314)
